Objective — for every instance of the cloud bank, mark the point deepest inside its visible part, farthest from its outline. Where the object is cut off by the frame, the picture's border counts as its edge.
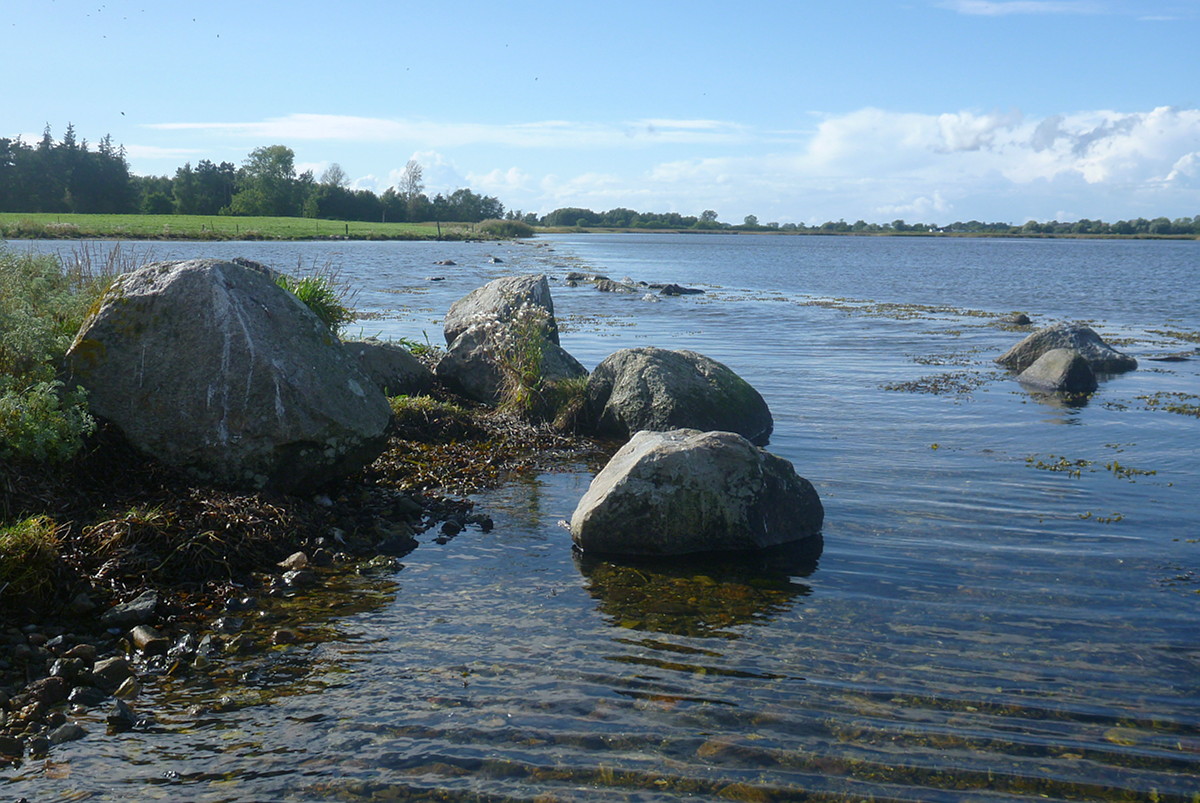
(871, 163)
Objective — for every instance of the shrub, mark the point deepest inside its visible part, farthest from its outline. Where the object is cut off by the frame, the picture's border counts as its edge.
(567, 399)
(43, 422)
(506, 228)
(28, 561)
(323, 294)
(41, 309)
(516, 346)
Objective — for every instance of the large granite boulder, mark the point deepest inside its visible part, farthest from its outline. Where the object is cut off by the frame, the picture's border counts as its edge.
(1102, 358)
(487, 327)
(657, 389)
(498, 300)
(471, 366)
(1059, 371)
(211, 367)
(687, 491)
(391, 367)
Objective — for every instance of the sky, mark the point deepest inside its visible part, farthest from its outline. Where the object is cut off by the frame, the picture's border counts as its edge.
(796, 112)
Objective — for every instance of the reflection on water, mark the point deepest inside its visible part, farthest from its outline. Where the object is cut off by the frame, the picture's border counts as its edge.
(701, 597)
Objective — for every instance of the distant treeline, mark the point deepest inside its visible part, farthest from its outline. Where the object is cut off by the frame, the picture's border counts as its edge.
(621, 218)
(71, 176)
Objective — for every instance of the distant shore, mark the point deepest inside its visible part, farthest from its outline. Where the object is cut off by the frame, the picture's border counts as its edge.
(55, 226)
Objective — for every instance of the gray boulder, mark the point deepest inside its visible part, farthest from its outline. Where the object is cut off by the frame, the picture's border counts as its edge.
(497, 301)
(1059, 371)
(470, 368)
(656, 389)
(391, 367)
(480, 331)
(209, 366)
(1102, 358)
(686, 491)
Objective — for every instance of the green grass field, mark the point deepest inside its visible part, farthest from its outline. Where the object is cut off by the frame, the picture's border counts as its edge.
(22, 225)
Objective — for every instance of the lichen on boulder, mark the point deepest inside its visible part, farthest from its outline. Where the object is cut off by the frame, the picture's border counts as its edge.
(211, 367)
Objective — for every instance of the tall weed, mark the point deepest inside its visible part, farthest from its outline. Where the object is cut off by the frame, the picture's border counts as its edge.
(41, 310)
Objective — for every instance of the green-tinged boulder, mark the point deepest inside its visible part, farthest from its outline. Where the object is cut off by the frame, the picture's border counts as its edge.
(656, 389)
(687, 491)
(1101, 357)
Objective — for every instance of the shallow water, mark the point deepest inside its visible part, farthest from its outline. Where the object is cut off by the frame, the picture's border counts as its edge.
(1005, 606)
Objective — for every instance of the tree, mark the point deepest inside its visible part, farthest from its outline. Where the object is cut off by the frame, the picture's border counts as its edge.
(268, 184)
(335, 176)
(750, 221)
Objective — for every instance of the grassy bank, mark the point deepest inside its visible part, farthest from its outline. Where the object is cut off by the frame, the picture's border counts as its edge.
(51, 226)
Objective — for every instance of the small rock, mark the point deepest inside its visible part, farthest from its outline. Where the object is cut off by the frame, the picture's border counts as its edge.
(84, 652)
(67, 733)
(451, 528)
(48, 691)
(128, 689)
(86, 696)
(300, 578)
(148, 641)
(81, 603)
(111, 673)
(229, 624)
(39, 746)
(677, 290)
(121, 717)
(11, 747)
(137, 611)
(284, 636)
(297, 560)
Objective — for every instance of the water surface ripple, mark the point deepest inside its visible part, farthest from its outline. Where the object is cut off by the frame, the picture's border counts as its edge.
(1005, 606)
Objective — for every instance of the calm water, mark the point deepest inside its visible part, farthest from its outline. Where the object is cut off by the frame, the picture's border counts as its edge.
(1006, 606)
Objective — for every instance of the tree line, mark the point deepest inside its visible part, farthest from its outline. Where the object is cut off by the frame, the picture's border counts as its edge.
(621, 218)
(71, 176)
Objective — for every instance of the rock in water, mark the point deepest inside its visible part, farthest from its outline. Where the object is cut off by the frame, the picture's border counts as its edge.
(686, 491)
(497, 301)
(479, 327)
(1102, 358)
(656, 389)
(209, 366)
(1060, 371)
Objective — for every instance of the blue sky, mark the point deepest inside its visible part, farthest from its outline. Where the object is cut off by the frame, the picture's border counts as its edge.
(926, 110)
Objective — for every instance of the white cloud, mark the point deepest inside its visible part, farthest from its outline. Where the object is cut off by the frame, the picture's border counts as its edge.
(535, 134)
(997, 8)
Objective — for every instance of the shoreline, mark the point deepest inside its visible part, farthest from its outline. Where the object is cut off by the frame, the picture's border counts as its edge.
(214, 562)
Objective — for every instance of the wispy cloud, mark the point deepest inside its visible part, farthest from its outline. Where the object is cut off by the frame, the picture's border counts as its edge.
(536, 134)
(999, 8)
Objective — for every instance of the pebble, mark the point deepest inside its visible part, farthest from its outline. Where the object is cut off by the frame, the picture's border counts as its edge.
(148, 641)
(69, 732)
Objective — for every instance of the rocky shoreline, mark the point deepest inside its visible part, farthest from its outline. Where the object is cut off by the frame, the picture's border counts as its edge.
(153, 607)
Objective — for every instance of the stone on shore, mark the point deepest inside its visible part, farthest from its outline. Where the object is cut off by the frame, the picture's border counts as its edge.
(656, 389)
(687, 491)
(210, 367)
(391, 367)
(1101, 357)
(1059, 371)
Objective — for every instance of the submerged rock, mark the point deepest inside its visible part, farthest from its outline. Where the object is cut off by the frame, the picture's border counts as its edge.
(686, 491)
(1101, 357)
(1059, 371)
(211, 367)
(656, 389)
